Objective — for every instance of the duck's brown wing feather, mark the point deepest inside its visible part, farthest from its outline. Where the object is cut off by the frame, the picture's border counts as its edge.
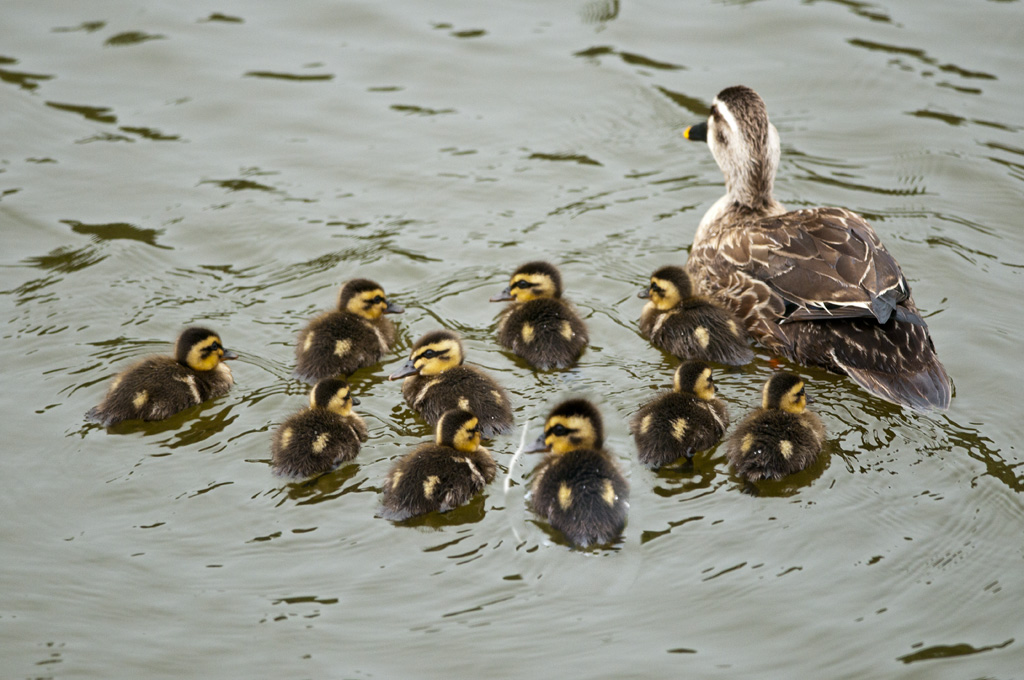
(823, 263)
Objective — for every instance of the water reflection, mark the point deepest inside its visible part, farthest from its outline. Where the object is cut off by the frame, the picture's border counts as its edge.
(26, 81)
(114, 231)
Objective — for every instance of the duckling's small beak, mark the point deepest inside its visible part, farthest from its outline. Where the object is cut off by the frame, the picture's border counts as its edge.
(503, 295)
(409, 368)
(355, 401)
(228, 354)
(538, 446)
(697, 133)
(644, 293)
(392, 308)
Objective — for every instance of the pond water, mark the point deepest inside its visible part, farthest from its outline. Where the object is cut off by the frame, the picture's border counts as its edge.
(168, 163)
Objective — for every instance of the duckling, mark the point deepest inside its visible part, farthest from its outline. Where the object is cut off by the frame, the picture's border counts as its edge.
(440, 476)
(354, 336)
(688, 326)
(160, 386)
(322, 437)
(781, 437)
(678, 423)
(815, 285)
(437, 381)
(540, 326)
(578, 488)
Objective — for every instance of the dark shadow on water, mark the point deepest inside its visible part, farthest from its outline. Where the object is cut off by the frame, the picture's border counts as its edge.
(949, 651)
(793, 484)
(325, 487)
(66, 260)
(692, 478)
(188, 427)
(114, 231)
(556, 536)
(471, 513)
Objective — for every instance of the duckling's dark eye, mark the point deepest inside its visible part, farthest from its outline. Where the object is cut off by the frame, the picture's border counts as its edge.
(657, 290)
(429, 354)
(377, 300)
(559, 430)
(523, 284)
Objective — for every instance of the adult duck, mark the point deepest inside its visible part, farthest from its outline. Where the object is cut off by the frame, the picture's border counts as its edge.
(815, 285)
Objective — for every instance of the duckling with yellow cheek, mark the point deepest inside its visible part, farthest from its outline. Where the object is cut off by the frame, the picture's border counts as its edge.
(781, 437)
(158, 387)
(322, 437)
(354, 336)
(678, 423)
(539, 325)
(436, 380)
(440, 476)
(578, 488)
(689, 326)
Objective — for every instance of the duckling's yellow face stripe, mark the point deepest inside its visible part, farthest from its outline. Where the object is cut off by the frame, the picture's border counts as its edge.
(467, 439)
(664, 294)
(340, 403)
(705, 387)
(526, 287)
(369, 304)
(795, 400)
(564, 434)
(437, 357)
(205, 354)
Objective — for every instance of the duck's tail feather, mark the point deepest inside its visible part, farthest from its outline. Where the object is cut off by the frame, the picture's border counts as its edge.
(895, 360)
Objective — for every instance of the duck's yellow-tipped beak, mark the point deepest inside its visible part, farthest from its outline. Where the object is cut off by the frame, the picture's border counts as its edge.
(697, 133)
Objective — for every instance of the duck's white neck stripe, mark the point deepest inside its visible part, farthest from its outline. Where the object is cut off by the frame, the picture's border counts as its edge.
(727, 116)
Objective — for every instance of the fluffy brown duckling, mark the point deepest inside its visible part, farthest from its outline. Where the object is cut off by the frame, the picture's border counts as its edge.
(781, 437)
(354, 336)
(160, 386)
(678, 423)
(689, 326)
(539, 325)
(578, 488)
(322, 437)
(442, 475)
(437, 380)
